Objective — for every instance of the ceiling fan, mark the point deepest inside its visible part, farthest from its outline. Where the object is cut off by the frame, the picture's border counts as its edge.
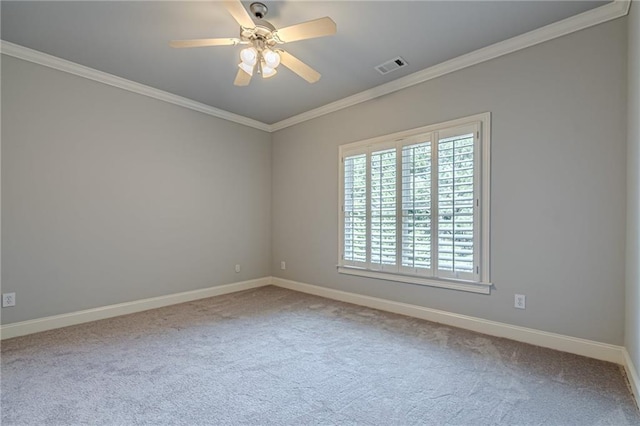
(263, 54)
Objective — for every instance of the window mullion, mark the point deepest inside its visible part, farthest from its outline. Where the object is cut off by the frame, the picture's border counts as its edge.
(368, 200)
(454, 216)
(399, 219)
(477, 233)
(434, 203)
(413, 207)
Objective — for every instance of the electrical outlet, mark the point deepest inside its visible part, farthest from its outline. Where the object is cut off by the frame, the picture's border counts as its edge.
(283, 265)
(520, 301)
(237, 268)
(8, 299)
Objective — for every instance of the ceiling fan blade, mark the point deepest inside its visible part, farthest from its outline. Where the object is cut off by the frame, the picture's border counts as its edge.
(299, 67)
(242, 78)
(204, 42)
(239, 13)
(317, 28)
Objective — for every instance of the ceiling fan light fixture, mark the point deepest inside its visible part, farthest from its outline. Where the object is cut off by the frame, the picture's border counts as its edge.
(246, 68)
(261, 39)
(271, 58)
(249, 56)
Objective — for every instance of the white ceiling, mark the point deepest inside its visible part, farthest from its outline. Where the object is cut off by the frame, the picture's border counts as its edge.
(130, 39)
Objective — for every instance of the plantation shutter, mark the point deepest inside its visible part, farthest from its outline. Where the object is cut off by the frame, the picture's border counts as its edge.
(355, 209)
(383, 210)
(456, 218)
(416, 208)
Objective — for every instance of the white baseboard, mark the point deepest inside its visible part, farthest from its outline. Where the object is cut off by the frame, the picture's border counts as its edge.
(574, 345)
(57, 321)
(632, 375)
(589, 348)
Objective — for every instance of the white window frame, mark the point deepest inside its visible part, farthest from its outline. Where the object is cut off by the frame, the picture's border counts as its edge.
(477, 282)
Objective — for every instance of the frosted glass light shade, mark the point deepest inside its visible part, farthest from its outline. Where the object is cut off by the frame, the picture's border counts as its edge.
(246, 68)
(249, 55)
(268, 72)
(271, 58)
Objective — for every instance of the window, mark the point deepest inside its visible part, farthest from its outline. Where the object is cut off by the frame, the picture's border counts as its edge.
(414, 206)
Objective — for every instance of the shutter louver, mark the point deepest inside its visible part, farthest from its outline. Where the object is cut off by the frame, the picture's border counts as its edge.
(383, 208)
(416, 206)
(456, 204)
(355, 208)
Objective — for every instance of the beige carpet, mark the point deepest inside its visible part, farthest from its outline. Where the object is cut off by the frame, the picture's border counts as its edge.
(273, 356)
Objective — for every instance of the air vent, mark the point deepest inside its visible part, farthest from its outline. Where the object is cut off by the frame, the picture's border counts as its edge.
(391, 65)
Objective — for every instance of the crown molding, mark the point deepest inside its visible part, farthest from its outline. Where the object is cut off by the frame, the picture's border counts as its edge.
(599, 15)
(608, 12)
(24, 53)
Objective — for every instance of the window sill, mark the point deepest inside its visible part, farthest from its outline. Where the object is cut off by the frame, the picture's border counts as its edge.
(482, 288)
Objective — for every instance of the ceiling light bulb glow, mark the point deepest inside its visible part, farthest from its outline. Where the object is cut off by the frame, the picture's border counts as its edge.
(249, 56)
(246, 68)
(271, 58)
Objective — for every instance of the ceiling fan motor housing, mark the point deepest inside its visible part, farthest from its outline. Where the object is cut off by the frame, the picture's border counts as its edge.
(264, 33)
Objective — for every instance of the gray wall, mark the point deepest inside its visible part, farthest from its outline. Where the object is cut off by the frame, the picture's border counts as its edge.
(632, 338)
(110, 196)
(558, 178)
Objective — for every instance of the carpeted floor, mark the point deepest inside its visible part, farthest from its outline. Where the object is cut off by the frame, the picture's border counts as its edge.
(274, 356)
